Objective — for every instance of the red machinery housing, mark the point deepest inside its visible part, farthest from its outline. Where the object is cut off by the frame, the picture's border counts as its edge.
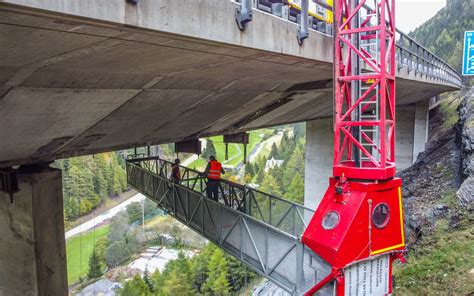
(359, 221)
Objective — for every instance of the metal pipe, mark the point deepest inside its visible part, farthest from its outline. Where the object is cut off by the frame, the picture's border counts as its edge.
(303, 29)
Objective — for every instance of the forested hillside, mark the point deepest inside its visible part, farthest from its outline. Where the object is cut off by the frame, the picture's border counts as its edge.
(286, 180)
(443, 34)
(89, 180)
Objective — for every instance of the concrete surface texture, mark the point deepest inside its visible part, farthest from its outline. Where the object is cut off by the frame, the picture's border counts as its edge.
(81, 77)
(411, 136)
(33, 249)
(318, 160)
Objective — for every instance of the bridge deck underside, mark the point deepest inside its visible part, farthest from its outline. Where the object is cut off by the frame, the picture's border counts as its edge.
(74, 86)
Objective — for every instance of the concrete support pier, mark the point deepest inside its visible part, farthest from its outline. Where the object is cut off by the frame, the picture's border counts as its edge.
(412, 133)
(411, 137)
(318, 160)
(33, 248)
(420, 130)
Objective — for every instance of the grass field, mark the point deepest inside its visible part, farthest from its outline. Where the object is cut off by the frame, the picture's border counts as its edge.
(441, 265)
(78, 250)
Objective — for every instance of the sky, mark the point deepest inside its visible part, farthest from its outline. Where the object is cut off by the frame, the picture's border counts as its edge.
(412, 13)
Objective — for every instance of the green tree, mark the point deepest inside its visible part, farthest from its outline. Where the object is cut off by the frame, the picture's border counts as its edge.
(269, 185)
(176, 284)
(296, 190)
(260, 176)
(101, 247)
(210, 150)
(274, 152)
(249, 169)
(239, 274)
(199, 266)
(116, 253)
(95, 269)
(295, 165)
(148, 281)
(135, 287)
(134, 211)
(217, 282)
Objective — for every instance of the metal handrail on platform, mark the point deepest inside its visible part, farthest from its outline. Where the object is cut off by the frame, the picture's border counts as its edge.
(272, 249)
(283, 214)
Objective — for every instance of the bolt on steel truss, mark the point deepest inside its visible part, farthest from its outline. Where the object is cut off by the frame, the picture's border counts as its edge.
(259, 229)
(365, 67)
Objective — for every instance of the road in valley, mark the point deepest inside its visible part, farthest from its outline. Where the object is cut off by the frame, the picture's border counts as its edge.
(105, 216)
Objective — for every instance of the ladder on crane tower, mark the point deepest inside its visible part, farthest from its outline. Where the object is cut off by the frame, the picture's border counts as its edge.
(261, 230)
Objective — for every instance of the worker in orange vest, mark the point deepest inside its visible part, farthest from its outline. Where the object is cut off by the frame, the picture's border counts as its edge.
(213, 173)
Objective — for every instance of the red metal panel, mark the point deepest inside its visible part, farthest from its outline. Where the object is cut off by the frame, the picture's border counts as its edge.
(356, 236)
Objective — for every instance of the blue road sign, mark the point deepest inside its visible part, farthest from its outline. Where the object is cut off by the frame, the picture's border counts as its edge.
(468, 56)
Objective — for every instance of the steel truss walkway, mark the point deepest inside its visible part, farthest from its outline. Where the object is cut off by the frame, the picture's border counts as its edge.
(259, 229)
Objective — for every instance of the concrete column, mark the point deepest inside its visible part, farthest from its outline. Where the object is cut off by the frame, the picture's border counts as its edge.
(32, 248)
(318, 160)
(412, 133)
(420, 134)
(404, 136)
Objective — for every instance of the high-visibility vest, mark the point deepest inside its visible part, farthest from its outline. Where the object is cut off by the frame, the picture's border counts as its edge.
(214, 170)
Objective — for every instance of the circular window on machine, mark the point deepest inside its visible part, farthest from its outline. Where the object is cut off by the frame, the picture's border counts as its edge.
(381, 215)
(330, 220)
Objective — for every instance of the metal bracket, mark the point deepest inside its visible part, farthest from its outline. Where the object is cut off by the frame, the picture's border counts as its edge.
(243, 15)
(9, 183)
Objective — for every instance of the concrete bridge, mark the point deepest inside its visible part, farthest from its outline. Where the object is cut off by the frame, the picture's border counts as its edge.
(80, 77)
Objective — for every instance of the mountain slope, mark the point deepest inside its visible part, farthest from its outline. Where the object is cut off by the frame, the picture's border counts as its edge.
(443, 34)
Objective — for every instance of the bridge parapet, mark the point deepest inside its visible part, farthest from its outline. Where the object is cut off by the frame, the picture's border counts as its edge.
(410, 54)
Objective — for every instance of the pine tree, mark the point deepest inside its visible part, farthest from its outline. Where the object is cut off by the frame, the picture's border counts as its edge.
(95, 269)
(274, 152)
(260, 176)
(217, 282)
(147, 280)
(135, 287)
(199, 267)
(176, 284)
(239, 274)
(269, 185)
(210, 150)
(249, 169)
(296, 190)
(294, 165)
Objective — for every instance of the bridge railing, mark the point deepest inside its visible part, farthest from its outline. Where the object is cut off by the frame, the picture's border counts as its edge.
(282, 214)
(419, 59)
(410, 54)
(275, 254)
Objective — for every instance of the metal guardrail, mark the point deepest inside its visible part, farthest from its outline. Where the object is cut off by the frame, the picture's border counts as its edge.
(265, 247)
(410, 54)
(419, 59)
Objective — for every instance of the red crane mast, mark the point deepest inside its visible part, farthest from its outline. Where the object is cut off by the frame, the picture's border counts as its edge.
(358, 226)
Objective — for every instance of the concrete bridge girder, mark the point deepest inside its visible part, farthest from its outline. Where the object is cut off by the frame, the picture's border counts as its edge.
(85, 77)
